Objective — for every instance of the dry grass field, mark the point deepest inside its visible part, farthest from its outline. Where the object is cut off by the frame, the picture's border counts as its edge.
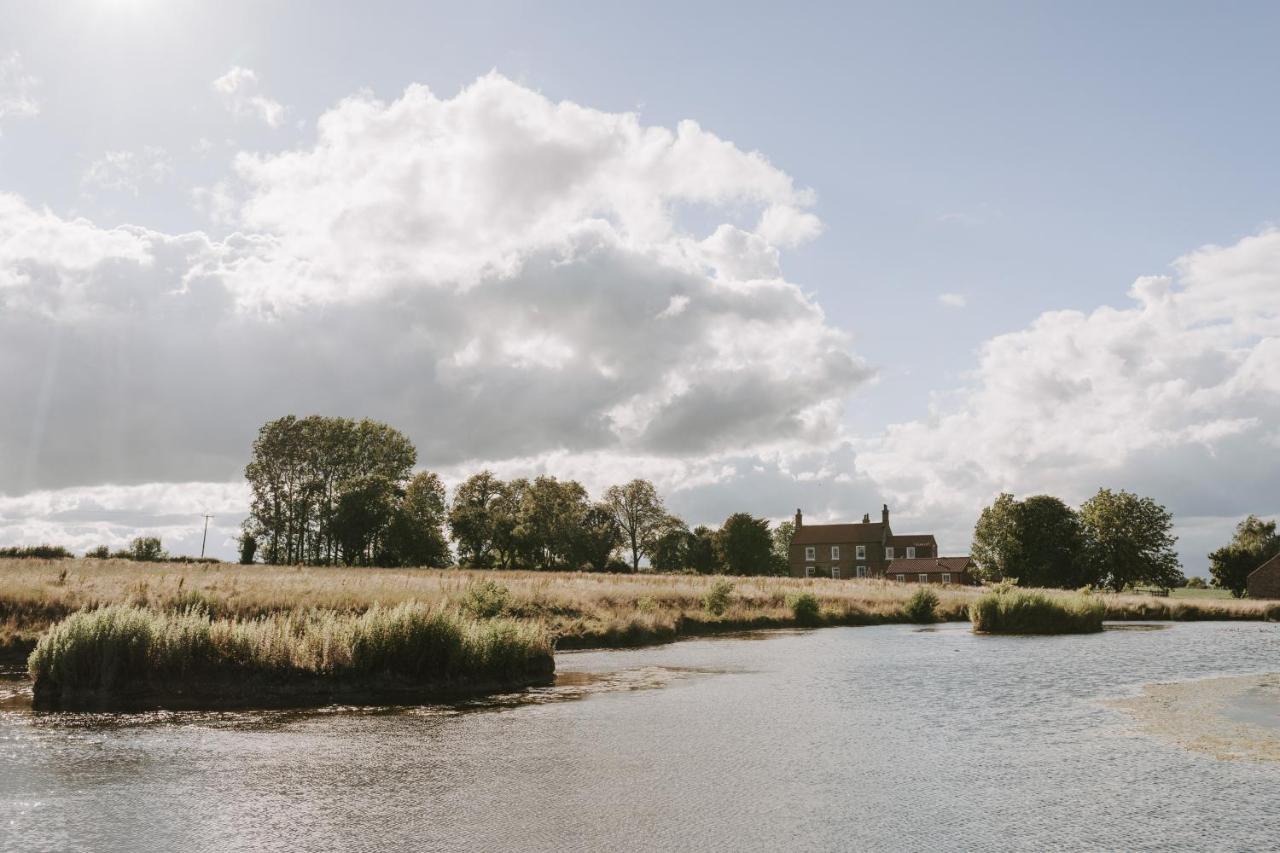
(578, 609)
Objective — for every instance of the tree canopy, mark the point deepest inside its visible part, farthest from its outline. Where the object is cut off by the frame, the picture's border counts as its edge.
(1130, 540)
(1116, 538)
(1039, 540)
(1255, 541)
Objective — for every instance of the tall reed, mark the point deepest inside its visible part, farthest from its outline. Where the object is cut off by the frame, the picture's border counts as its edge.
(121, 647)
(1019, 611)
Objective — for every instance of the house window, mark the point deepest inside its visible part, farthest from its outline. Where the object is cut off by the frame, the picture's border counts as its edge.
(946, 577)
(902, 578)
(811, 553)
(888, 553)
(924, 578)
(862, 571)
(808, 571)
(911, 553)
(835, 552)
(860, 552)
(835, 572)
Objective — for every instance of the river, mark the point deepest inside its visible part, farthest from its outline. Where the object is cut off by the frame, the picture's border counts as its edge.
(885, 738)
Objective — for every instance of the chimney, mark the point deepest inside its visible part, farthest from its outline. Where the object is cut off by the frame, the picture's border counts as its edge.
(799, 519)
(866, 518)
(884, 515)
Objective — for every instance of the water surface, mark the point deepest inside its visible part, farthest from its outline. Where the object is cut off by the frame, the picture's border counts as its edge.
(886, 738)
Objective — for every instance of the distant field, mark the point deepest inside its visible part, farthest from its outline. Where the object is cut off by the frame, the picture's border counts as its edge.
(1200, 593)
(577, 609)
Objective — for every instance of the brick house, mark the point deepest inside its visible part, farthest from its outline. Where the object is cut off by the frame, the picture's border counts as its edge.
(1264, 581)
(867, 550)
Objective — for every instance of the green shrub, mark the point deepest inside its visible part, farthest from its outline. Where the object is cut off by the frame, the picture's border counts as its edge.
(1024, 612)
(804, 607)
(486, 599)
(35, 552)
(922, 607)
(102, 552)
(717, 599)
(1196, 582)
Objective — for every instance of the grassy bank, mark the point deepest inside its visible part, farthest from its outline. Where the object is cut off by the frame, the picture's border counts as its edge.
(127, 656)
(1018, 611)
(577, 610)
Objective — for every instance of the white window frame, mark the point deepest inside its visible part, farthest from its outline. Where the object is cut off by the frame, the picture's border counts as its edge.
(911, 552)
(924, 578)
(811, 552)
(860, 551)
(902, 578)
(835, 552)
(946, 577)
(862, 571)
(835, 572)
(888, 552)
(808, 571)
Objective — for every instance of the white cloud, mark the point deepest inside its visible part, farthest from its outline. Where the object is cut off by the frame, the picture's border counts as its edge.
(501, 276)
(1172, 395)
(239, 91)
(952, 300)
(127, 171)
(85, 517)
(17, 89)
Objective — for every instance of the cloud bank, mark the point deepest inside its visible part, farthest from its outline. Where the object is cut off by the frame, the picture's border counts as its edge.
(1176, 395)
(534, 286)
(501, 276)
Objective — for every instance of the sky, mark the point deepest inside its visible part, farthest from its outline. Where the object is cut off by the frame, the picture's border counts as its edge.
(768, 256)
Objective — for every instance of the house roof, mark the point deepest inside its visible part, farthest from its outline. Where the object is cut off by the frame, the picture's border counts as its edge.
(838, 534)
(1274, 562)
(928, 565)
(912, 539)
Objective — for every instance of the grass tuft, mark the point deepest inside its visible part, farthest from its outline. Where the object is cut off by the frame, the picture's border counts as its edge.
(922, 607)
(718, 598)
(805, 609)
(1016, 611)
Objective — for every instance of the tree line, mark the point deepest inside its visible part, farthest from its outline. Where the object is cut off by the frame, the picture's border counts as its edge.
(334, 491)
(1115, 539)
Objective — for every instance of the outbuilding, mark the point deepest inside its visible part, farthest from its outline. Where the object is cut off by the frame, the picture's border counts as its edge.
(1264, 581)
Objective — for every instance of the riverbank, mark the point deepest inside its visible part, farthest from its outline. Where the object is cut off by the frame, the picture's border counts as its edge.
(577, 610)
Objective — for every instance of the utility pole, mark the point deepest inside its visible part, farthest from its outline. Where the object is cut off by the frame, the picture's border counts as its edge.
(205, 538)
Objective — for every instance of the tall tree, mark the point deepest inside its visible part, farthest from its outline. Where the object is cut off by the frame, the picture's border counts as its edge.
(551, 512)
(671, 550)
(1130, 540)
(995, 539)
(703, 555)
(1255, 541)
(322, 488)
(640, 515)
(745, 545)
(1040, 541)
(473, 518)
(782, 536)
(596, 538)
(416, 535)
